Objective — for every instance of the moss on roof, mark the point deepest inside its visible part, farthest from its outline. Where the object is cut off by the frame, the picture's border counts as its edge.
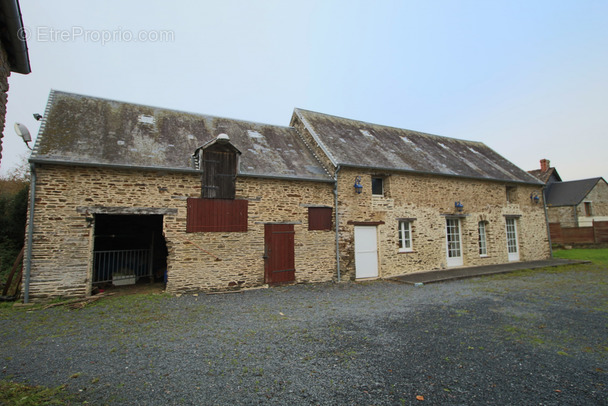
(357, 143)
(88, 130)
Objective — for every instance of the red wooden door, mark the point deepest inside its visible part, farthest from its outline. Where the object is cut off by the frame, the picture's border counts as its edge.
(279, 264)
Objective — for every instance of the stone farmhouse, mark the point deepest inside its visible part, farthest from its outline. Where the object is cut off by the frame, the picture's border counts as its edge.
(124, 193)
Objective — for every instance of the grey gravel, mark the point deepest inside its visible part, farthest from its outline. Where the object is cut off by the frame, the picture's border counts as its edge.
(536, 338)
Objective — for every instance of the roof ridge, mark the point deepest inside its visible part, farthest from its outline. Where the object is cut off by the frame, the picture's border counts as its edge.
(392, 127)
(382, 145)
(597, 178)
(168, 109)
(92, 131)
(316, 137)
(314, 154)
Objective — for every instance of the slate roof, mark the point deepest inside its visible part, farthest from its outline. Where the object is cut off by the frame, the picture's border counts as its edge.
(570, 193)
(86, 130)
(546, 175)
(359, 144)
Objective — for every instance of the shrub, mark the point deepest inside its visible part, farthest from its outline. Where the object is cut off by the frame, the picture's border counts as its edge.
(13, 214)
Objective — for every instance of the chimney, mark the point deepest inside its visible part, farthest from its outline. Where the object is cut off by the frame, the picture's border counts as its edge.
(544, 165)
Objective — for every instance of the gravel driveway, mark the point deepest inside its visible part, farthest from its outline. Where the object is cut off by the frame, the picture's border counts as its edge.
(537, 337)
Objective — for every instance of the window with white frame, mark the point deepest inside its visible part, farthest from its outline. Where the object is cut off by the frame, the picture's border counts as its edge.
(405, 236)
(483, 246)
(512, 247)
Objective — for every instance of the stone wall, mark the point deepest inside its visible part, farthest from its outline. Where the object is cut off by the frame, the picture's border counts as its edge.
(565, 215)
(67, 198)
(5, 72)
(240, 254)
(429, 200)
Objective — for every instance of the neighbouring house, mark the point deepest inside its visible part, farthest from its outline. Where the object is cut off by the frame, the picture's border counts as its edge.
(127, 192)
(574, 208)
(546, 174)
(13, 53)
(578, 203)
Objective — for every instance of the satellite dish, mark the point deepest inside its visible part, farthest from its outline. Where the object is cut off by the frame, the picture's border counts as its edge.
(23, 132)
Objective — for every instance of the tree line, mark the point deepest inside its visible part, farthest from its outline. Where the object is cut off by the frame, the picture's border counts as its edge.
(13, 214)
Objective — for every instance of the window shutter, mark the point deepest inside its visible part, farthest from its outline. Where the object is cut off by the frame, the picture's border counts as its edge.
(216, 215)
(319, 218)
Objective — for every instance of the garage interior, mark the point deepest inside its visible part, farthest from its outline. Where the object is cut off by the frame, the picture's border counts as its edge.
(128, 250)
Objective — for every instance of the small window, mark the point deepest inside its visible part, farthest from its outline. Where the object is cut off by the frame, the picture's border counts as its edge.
(319, 218)
(377, 186)
(405, 236)
(511, 194)
(588, 209)
(483, 247)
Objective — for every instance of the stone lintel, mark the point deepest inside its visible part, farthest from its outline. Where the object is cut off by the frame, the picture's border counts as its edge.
(125, 210)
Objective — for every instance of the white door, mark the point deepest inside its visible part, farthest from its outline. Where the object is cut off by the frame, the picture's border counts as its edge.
(454, 245)
(366, 252)
(512, 245)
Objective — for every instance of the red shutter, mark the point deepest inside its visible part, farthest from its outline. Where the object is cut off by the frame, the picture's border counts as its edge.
(319, 218)
(214, 215)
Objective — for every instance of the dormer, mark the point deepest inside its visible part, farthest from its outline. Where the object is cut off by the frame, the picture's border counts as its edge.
(218, 160)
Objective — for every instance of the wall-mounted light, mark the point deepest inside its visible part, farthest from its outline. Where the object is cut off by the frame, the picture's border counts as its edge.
(459, 206)
(358, 187)
(534, 197)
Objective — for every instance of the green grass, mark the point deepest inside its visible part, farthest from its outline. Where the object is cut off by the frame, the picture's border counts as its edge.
(12, 393)
(598, 256)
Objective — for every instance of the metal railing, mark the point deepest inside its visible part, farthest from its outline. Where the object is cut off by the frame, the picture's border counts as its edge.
(122, 265)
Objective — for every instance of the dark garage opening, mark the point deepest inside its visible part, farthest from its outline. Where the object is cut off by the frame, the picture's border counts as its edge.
(128, 249)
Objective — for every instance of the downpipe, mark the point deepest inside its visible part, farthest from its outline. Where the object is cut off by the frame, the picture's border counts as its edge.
(337, 223)
(547, 222)
(30, 232)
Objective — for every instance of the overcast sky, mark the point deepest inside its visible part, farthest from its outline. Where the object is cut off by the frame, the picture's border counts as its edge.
(528, 78)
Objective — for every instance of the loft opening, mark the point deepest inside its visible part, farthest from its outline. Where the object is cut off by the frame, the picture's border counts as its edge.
(217, 210)
(218, 160)
(128, 249)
